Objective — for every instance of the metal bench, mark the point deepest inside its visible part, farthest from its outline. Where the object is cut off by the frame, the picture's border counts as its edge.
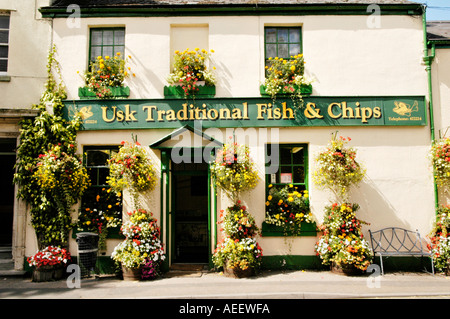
(396, 241)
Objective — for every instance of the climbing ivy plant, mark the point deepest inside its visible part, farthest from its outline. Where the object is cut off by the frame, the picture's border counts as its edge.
(39, 135)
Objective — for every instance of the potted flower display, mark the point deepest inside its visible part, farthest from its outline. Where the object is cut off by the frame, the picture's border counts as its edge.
(288, 208)
(239, 258)
(105, 78)
(342, 245)
(132, 169)
(238, 254)
(191, 74)
(440, 240)
(142, 249)
(49, 263)
(286, 77)
(440, 160)
(100, 212)
(338, 169)
(61, 173)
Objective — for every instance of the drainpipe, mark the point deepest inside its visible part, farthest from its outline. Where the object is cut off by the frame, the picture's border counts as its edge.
(428, 59)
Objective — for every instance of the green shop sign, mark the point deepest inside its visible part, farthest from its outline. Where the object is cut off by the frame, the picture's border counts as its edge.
(249, 112)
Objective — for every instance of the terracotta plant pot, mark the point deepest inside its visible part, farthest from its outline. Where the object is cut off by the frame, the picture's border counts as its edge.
(345, 269)
(131, 274)
(237, 272)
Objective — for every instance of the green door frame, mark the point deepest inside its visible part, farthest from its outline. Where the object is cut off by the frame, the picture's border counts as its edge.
(167, 206)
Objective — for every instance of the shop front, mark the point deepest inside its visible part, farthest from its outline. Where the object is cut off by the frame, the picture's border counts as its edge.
(182, 138)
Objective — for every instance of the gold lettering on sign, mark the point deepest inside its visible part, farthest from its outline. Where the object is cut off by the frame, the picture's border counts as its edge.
(311, 111)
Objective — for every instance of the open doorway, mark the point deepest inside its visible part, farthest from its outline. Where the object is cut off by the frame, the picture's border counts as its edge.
(190, 213)
(7, 162)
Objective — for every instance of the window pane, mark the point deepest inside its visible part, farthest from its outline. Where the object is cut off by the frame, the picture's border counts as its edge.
(282, 35)
(294, 35)
(93, 175)
(294, 49)
(271, 35)
(120, 49)
(97, 158)
(283, 50)
(119, 37)
(271, 50)
(95, 52)
(108, 51)
(299, 174)
(297, 155)
(96, 37)
(3, 65)
(4, 22)
(285, 155)
(102, 174)
(3, 51)
(4, 36)
(108, 37)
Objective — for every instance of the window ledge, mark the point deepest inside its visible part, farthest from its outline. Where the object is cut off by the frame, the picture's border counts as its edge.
(5, 78)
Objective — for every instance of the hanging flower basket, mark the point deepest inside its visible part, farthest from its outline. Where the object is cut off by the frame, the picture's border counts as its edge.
(440, 160)
(233, 169)
(337, 168)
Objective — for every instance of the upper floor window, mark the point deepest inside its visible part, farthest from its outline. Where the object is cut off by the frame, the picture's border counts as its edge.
(4, 40)
(282, 42)
(106, 42)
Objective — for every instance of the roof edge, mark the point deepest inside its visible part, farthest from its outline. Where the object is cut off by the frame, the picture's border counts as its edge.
(228, 9)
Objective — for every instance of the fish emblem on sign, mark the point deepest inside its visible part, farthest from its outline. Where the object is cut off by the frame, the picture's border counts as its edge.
(86, 112)
(401, 108)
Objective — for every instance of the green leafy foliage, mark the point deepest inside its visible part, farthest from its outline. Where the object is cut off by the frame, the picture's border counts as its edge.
(38, 135)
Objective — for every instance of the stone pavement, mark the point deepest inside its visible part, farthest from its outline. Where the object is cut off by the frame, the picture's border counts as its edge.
(212, 285)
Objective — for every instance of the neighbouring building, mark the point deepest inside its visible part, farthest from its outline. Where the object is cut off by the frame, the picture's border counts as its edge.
(24, 43)
(370, 84)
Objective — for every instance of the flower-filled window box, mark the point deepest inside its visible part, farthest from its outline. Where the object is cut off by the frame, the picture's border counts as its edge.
(288, 212)
(303, 89)
(177, 91)
(191, 75)
(285, 77)
(105, 78)
(114, 92)
(302, 229)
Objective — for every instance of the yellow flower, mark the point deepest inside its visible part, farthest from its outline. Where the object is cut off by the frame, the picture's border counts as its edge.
(269, 197)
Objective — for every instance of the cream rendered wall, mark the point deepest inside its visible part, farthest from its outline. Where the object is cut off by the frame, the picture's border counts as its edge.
(441, 91)
(346, 58)
(441, 98)
(29, 43)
